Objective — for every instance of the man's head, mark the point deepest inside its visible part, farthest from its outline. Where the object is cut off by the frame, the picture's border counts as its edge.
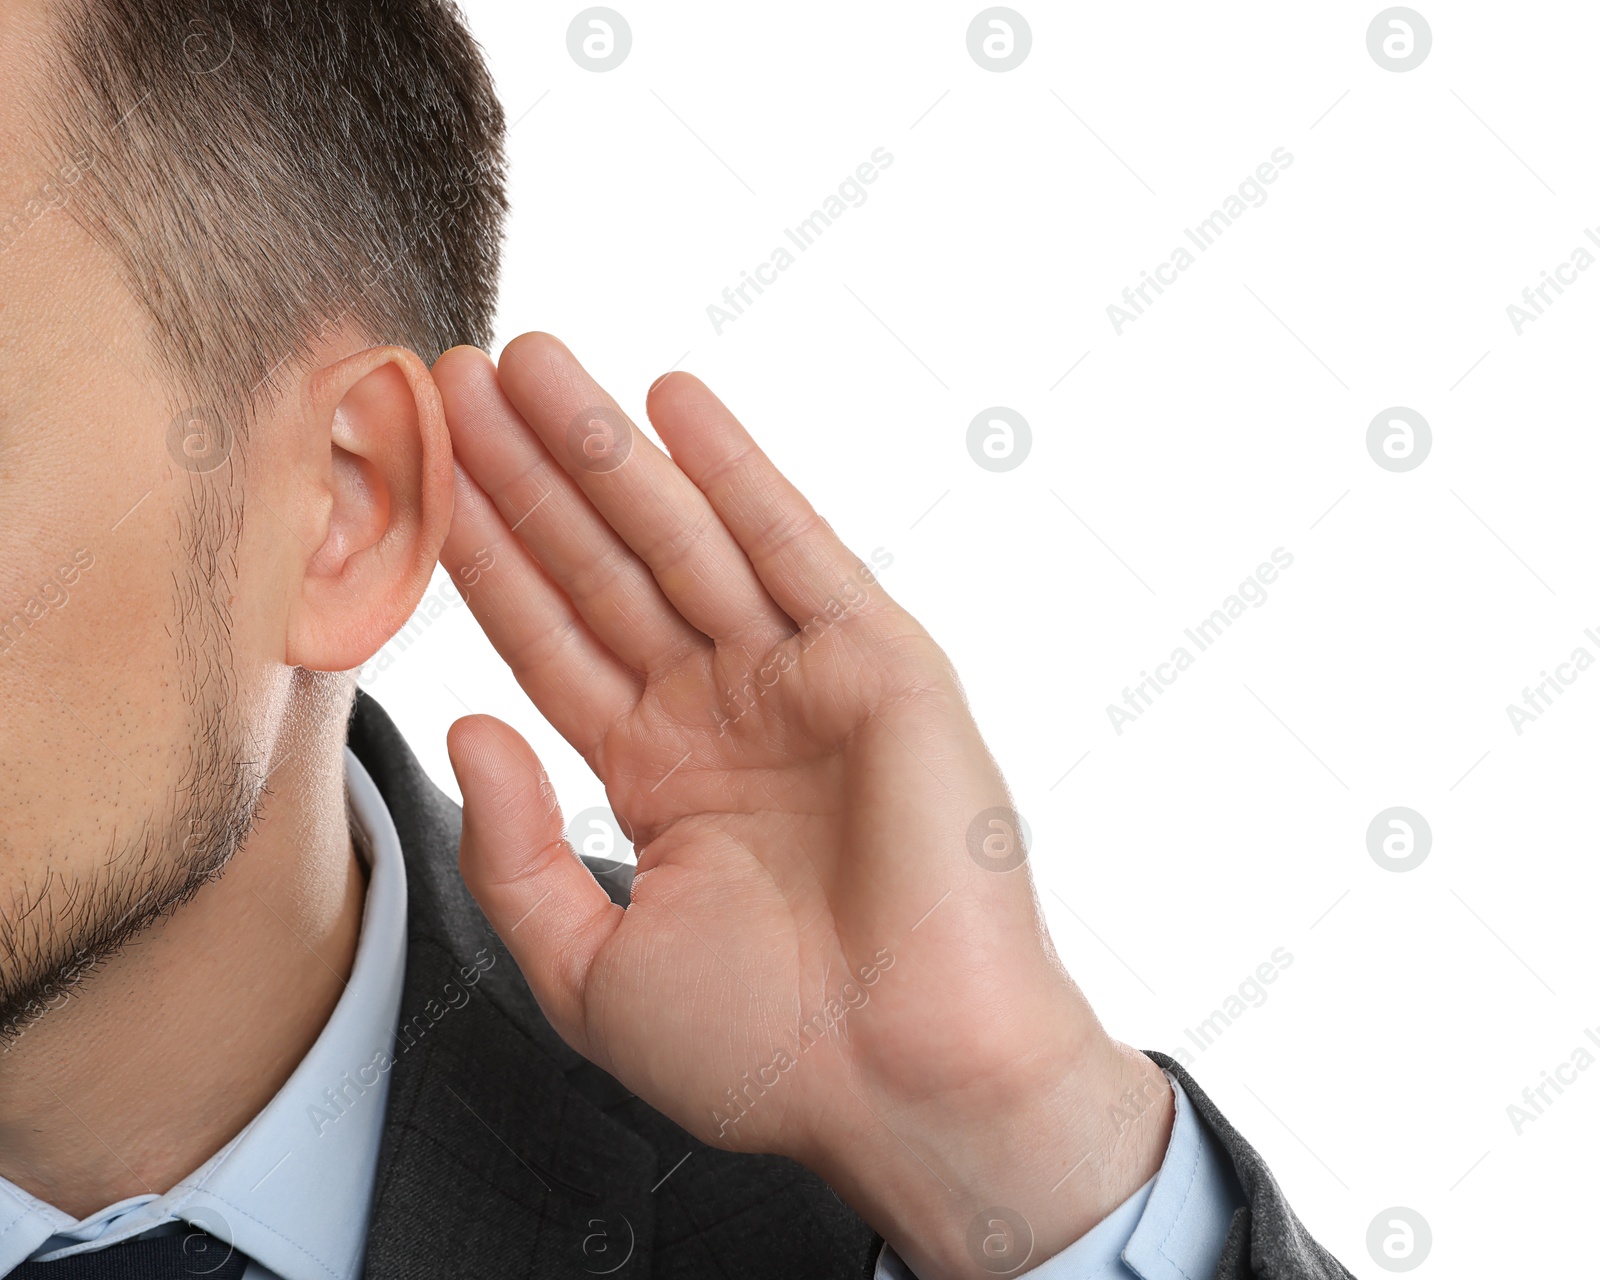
(233, 236)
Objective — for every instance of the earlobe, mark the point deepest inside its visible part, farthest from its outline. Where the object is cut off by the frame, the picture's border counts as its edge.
(383, 492)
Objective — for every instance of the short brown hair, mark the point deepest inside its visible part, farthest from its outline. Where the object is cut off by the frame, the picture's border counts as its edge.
(263, 170)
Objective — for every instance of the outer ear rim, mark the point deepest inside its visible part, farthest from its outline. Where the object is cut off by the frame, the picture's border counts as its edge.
(326, 389)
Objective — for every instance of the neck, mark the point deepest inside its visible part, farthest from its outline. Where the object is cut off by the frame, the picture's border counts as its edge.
(158, 1060)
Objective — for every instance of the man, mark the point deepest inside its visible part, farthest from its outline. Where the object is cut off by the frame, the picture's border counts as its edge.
(254, 1023)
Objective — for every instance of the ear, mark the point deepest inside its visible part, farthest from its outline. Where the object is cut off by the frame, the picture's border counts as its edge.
(383, 500)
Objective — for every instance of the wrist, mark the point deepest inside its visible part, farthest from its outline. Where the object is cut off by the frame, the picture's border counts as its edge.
(999, 1180)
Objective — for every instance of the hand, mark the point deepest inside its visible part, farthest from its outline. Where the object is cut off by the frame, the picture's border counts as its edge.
(833, 951)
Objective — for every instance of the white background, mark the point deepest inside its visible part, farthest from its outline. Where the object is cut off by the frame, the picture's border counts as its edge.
(1230, 419)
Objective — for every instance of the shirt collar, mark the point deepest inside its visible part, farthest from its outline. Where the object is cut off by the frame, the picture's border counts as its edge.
(293, 1190)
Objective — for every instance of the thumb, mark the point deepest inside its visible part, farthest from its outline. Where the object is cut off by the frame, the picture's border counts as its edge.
(548, 910)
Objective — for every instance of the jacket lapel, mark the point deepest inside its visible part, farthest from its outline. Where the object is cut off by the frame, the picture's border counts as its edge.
(498, 1157)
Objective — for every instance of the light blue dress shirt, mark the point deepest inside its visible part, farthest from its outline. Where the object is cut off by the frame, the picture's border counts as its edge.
(293, 1190)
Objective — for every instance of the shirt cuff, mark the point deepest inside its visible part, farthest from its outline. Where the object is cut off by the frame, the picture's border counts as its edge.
(1172, 1228)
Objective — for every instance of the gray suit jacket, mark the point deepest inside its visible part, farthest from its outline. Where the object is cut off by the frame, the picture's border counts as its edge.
(507, 1154)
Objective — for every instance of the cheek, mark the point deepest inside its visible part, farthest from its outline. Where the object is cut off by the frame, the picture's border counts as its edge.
(93, 724)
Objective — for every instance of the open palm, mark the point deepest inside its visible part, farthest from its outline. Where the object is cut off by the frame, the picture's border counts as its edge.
(832, 929)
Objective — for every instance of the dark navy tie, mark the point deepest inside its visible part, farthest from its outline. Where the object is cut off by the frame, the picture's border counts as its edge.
(184, 1255)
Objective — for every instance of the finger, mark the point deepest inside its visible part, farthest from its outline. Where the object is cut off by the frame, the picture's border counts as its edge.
(550, 912)
(581, 688)
(800, 560)
(643, 496)
(544, 508)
